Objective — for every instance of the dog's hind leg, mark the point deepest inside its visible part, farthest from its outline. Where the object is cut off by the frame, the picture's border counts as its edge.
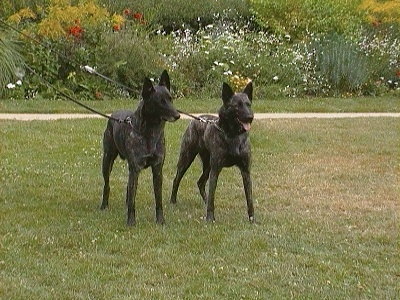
(109, 155)
(186, 157)
(157, 184)
(201, 183)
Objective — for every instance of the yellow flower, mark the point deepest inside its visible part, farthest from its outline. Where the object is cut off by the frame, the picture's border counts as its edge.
(25, 13)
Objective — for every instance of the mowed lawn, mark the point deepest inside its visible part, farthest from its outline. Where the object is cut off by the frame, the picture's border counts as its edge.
(326, 196)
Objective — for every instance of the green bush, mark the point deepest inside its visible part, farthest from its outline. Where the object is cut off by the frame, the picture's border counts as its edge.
(297, 18)
(205, 43)
(10, 61)
(128, 56)
(171, 14)
(341, 62)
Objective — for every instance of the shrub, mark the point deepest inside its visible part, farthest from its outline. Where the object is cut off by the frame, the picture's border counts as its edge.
(8, 7)
(381, 45)
(342, 63)
(381, 11)
(128, 56)
(10, 61)
(294, 54)
(171, 14)
(68, 35)
(297, 18)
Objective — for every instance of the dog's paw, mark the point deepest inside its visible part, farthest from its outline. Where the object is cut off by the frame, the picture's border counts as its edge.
(160, 221)
(252, 220)
(210, 218)
(130, 222)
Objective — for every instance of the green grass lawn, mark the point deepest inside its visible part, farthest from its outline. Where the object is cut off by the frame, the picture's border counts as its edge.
(326, 198)
(358, 104)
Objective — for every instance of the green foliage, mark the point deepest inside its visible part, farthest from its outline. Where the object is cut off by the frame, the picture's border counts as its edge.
(171, 14)
(10, 60)
(206, 43)
(344, 66)
(9, 7)
(296, 18)
(128, 56)
(381, 11)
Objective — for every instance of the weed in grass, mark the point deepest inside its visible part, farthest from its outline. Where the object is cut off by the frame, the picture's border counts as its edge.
(326, 197)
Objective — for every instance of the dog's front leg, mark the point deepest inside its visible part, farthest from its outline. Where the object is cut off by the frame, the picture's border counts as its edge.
(248, 190)
(131, 195)
(212, 185)
(157, 184)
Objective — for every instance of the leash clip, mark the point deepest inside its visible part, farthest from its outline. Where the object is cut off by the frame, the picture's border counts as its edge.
(88, 69)
(128, 120)
(203, 120)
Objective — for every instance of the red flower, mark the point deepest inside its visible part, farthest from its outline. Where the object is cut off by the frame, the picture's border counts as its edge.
(127, 12)
(76, 31)
(138, 16)
(116, 27)
(398, 74)
(98, 95)
(376, 23)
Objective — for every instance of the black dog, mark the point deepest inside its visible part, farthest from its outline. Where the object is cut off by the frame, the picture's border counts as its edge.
(220, 142)
(140, 140)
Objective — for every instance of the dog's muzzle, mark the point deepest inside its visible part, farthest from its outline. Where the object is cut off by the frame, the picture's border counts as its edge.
(172, 118)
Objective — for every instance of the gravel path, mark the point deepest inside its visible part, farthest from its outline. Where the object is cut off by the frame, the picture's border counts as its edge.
(30, 117)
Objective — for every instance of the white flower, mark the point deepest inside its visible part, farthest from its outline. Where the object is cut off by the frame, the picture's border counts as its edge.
(20, 73)
(275, 78)
(19, 82)
(10, 86)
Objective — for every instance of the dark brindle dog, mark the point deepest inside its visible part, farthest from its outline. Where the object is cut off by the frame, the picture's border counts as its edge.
(220, 142)
(140, 140)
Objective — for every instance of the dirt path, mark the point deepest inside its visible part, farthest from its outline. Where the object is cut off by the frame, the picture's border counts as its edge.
(30, 117)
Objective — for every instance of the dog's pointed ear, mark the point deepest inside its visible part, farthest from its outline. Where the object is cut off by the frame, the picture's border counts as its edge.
(164, 80)
(148, 88)
(248, 90)
(227, 92)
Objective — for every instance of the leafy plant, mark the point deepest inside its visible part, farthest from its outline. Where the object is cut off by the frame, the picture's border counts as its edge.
(342, 63)
(297, 18)
(381, 11)
(10, 60)
(128, 56)
(172, 14)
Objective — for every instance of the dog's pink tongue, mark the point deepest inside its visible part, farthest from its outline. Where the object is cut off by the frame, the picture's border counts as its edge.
(246, 126)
